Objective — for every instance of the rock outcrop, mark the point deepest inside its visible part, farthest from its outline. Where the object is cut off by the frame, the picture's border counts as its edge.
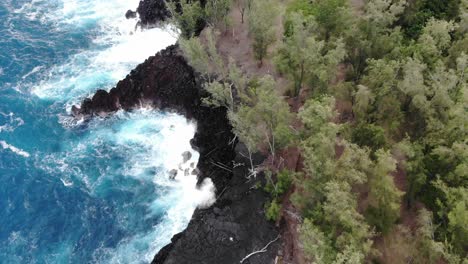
(235, 225)
(152, 12)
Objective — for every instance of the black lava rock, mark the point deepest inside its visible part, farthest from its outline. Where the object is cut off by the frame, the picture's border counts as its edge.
(130, 14)
(235, 225)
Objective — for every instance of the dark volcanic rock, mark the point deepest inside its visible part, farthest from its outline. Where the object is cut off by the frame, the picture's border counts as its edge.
(167, 82)
(235, 225)
(130, 14)
(229, 230)
(186, 156)
(152, 12)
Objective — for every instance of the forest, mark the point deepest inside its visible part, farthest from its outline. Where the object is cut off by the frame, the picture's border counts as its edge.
(362, 110)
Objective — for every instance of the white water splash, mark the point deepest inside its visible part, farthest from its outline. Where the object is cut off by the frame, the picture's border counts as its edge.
(117, 48)
(12, 122)
(146, 139)
(14, 149)
(33, 71)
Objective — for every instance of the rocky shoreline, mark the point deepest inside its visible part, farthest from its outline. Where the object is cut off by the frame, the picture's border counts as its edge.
(235, 225)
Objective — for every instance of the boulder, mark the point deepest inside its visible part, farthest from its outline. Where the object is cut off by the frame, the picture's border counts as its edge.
(130, 14)
(186, 156)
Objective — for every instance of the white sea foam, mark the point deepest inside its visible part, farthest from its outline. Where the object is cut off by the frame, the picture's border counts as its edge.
(66, 183)
(164, 149)
(14, 149)
(145, 139)
(117, 48)
(12, 122)
(33, 71)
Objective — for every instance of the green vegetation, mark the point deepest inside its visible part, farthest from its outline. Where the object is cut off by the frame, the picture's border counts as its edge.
(187, 16)
(380, 119)
(262, 16)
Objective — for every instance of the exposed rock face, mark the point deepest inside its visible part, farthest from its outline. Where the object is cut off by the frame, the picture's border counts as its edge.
(152, 12)
(167, 82)
(232, 228)
(235, 225)
(130, 14)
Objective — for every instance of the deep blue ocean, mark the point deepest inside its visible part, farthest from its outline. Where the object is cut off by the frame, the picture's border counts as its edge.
(74, 191)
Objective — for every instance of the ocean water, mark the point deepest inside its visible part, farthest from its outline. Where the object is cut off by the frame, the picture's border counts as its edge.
(85, 192)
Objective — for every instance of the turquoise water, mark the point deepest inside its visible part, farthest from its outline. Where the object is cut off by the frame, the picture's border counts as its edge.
(74, 191)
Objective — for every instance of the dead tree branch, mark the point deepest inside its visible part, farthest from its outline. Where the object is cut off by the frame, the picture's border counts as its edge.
(263, 250)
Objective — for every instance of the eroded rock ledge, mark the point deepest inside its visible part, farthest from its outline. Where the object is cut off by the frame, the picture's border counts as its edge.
(235, 225)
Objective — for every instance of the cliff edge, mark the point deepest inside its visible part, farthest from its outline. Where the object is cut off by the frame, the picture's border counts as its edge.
(235, 225)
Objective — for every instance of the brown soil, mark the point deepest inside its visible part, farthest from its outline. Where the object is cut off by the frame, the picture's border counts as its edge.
(236, 43)
(292, 252)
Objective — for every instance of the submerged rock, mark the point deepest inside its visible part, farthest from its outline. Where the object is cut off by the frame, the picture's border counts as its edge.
(187, 155)
(172, 174)
(196, 171)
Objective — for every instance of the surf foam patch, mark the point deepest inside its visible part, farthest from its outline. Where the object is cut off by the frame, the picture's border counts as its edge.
(14, 149)
(116, 46)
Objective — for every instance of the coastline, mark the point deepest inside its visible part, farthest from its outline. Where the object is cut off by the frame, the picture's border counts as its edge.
(235, 225)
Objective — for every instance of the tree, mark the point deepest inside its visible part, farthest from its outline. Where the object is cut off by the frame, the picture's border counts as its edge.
(317, 246)
(382, 81)
(196, 55)
(262, 16)
(383, 13)
(427, 249)
(302, 57)
(266, 121)
(463, 13)
(363, 100)
(243, 5)
(415, 168)
(220, 81)
(332, 16)
(418, 12)
(187, 16)
(369, 135)
(291, 57)
(434, 40)
(414, 87)
(353, 233)
(353, 165)
(453, 207)
(217, 12)
(384, 196)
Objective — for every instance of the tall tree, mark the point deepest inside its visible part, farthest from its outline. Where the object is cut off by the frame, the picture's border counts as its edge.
(217, 12)
(382, 81)
(384, 196)
(243, 6)
(187, 16)
(262, 17)
(302, 57)
(268, 118)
